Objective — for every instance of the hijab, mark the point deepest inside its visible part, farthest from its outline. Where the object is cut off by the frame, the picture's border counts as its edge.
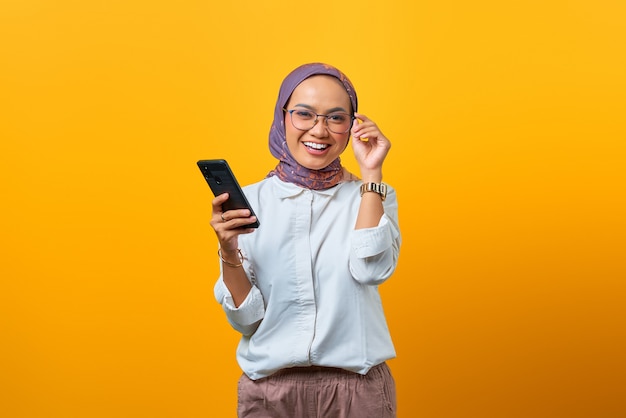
(288, 169)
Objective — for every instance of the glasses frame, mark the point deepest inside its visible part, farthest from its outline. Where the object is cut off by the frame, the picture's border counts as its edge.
(317, 115)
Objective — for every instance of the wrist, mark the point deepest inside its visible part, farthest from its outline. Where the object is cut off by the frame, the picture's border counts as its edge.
(227, 251)
(234, 259)
(375, 176)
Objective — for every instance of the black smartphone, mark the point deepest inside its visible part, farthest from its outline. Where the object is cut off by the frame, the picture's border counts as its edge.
(221, 179)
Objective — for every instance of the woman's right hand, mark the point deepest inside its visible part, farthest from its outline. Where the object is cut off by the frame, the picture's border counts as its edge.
(228, 225)
(370, 148)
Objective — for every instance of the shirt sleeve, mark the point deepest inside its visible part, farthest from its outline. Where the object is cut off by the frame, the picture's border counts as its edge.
(374, 253)
(246, 317)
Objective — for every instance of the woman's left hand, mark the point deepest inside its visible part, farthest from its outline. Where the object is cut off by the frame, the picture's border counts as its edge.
(370, 146)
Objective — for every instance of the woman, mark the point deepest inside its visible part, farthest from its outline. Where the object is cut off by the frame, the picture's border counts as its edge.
(303, 288)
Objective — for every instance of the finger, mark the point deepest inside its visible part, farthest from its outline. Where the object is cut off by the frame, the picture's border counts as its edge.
(218, 201)
(365, 126)
(367, 132)
(237, 226)
(357, 130)
(240, 223)
(235, 217)
(361, 117)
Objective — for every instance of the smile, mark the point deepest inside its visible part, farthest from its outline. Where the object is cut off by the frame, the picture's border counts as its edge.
(315, 145)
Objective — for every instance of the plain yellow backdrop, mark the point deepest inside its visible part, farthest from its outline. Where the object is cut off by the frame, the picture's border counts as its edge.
(508, 129)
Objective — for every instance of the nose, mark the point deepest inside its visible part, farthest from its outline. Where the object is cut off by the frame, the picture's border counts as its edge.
(319, 128)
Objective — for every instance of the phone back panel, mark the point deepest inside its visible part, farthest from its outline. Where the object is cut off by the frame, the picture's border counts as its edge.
(221, 179)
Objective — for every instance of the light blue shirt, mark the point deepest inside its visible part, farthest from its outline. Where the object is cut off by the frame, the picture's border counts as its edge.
(314, 297)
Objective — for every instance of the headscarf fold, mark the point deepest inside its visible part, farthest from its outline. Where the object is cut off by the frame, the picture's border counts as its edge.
(288, 168)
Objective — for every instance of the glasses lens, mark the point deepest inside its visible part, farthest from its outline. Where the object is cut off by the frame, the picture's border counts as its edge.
(337, 122)
(303, 119)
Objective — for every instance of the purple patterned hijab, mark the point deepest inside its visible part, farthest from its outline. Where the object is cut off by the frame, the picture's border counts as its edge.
(288, 168)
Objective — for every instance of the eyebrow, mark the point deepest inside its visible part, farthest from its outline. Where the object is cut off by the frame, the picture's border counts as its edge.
(334, 109)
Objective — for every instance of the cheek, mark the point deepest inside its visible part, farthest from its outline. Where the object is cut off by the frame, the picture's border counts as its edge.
(291, 135)
(343, 141)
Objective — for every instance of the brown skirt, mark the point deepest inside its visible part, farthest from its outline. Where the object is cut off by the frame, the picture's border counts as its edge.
(318, 392)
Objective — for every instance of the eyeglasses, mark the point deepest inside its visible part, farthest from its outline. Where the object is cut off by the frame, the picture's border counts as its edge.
(304, 120)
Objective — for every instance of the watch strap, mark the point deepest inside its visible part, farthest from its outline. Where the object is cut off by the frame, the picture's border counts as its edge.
(379, 188)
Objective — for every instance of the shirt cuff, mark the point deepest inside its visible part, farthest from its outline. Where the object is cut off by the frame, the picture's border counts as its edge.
(251, 310)
(368, 242)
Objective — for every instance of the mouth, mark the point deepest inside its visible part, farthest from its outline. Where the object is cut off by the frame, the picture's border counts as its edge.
(314, 146)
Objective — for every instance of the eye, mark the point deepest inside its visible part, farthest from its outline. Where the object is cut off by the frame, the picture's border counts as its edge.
(304, 114)
(338, 118)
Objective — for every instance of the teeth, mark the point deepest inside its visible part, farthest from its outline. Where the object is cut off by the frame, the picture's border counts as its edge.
(316, 146)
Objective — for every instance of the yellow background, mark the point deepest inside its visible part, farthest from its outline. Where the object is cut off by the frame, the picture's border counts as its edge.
(508, 129)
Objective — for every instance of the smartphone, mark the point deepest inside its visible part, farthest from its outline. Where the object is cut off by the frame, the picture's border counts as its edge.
(221, 179)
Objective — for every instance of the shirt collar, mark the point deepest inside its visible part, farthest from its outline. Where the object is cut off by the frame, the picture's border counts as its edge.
(286, 190)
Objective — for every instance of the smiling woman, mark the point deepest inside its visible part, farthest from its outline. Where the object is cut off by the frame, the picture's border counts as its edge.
(302, 289)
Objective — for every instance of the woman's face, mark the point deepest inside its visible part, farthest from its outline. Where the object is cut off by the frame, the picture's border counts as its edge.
(318, 147)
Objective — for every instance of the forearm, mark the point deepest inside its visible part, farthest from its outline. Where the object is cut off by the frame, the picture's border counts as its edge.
(371, 207)
(370, 211)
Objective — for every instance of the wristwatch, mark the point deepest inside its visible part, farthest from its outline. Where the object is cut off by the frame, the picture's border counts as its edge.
(380, 188)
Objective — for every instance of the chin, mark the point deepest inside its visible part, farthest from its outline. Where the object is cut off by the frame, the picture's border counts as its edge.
(315, 164)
